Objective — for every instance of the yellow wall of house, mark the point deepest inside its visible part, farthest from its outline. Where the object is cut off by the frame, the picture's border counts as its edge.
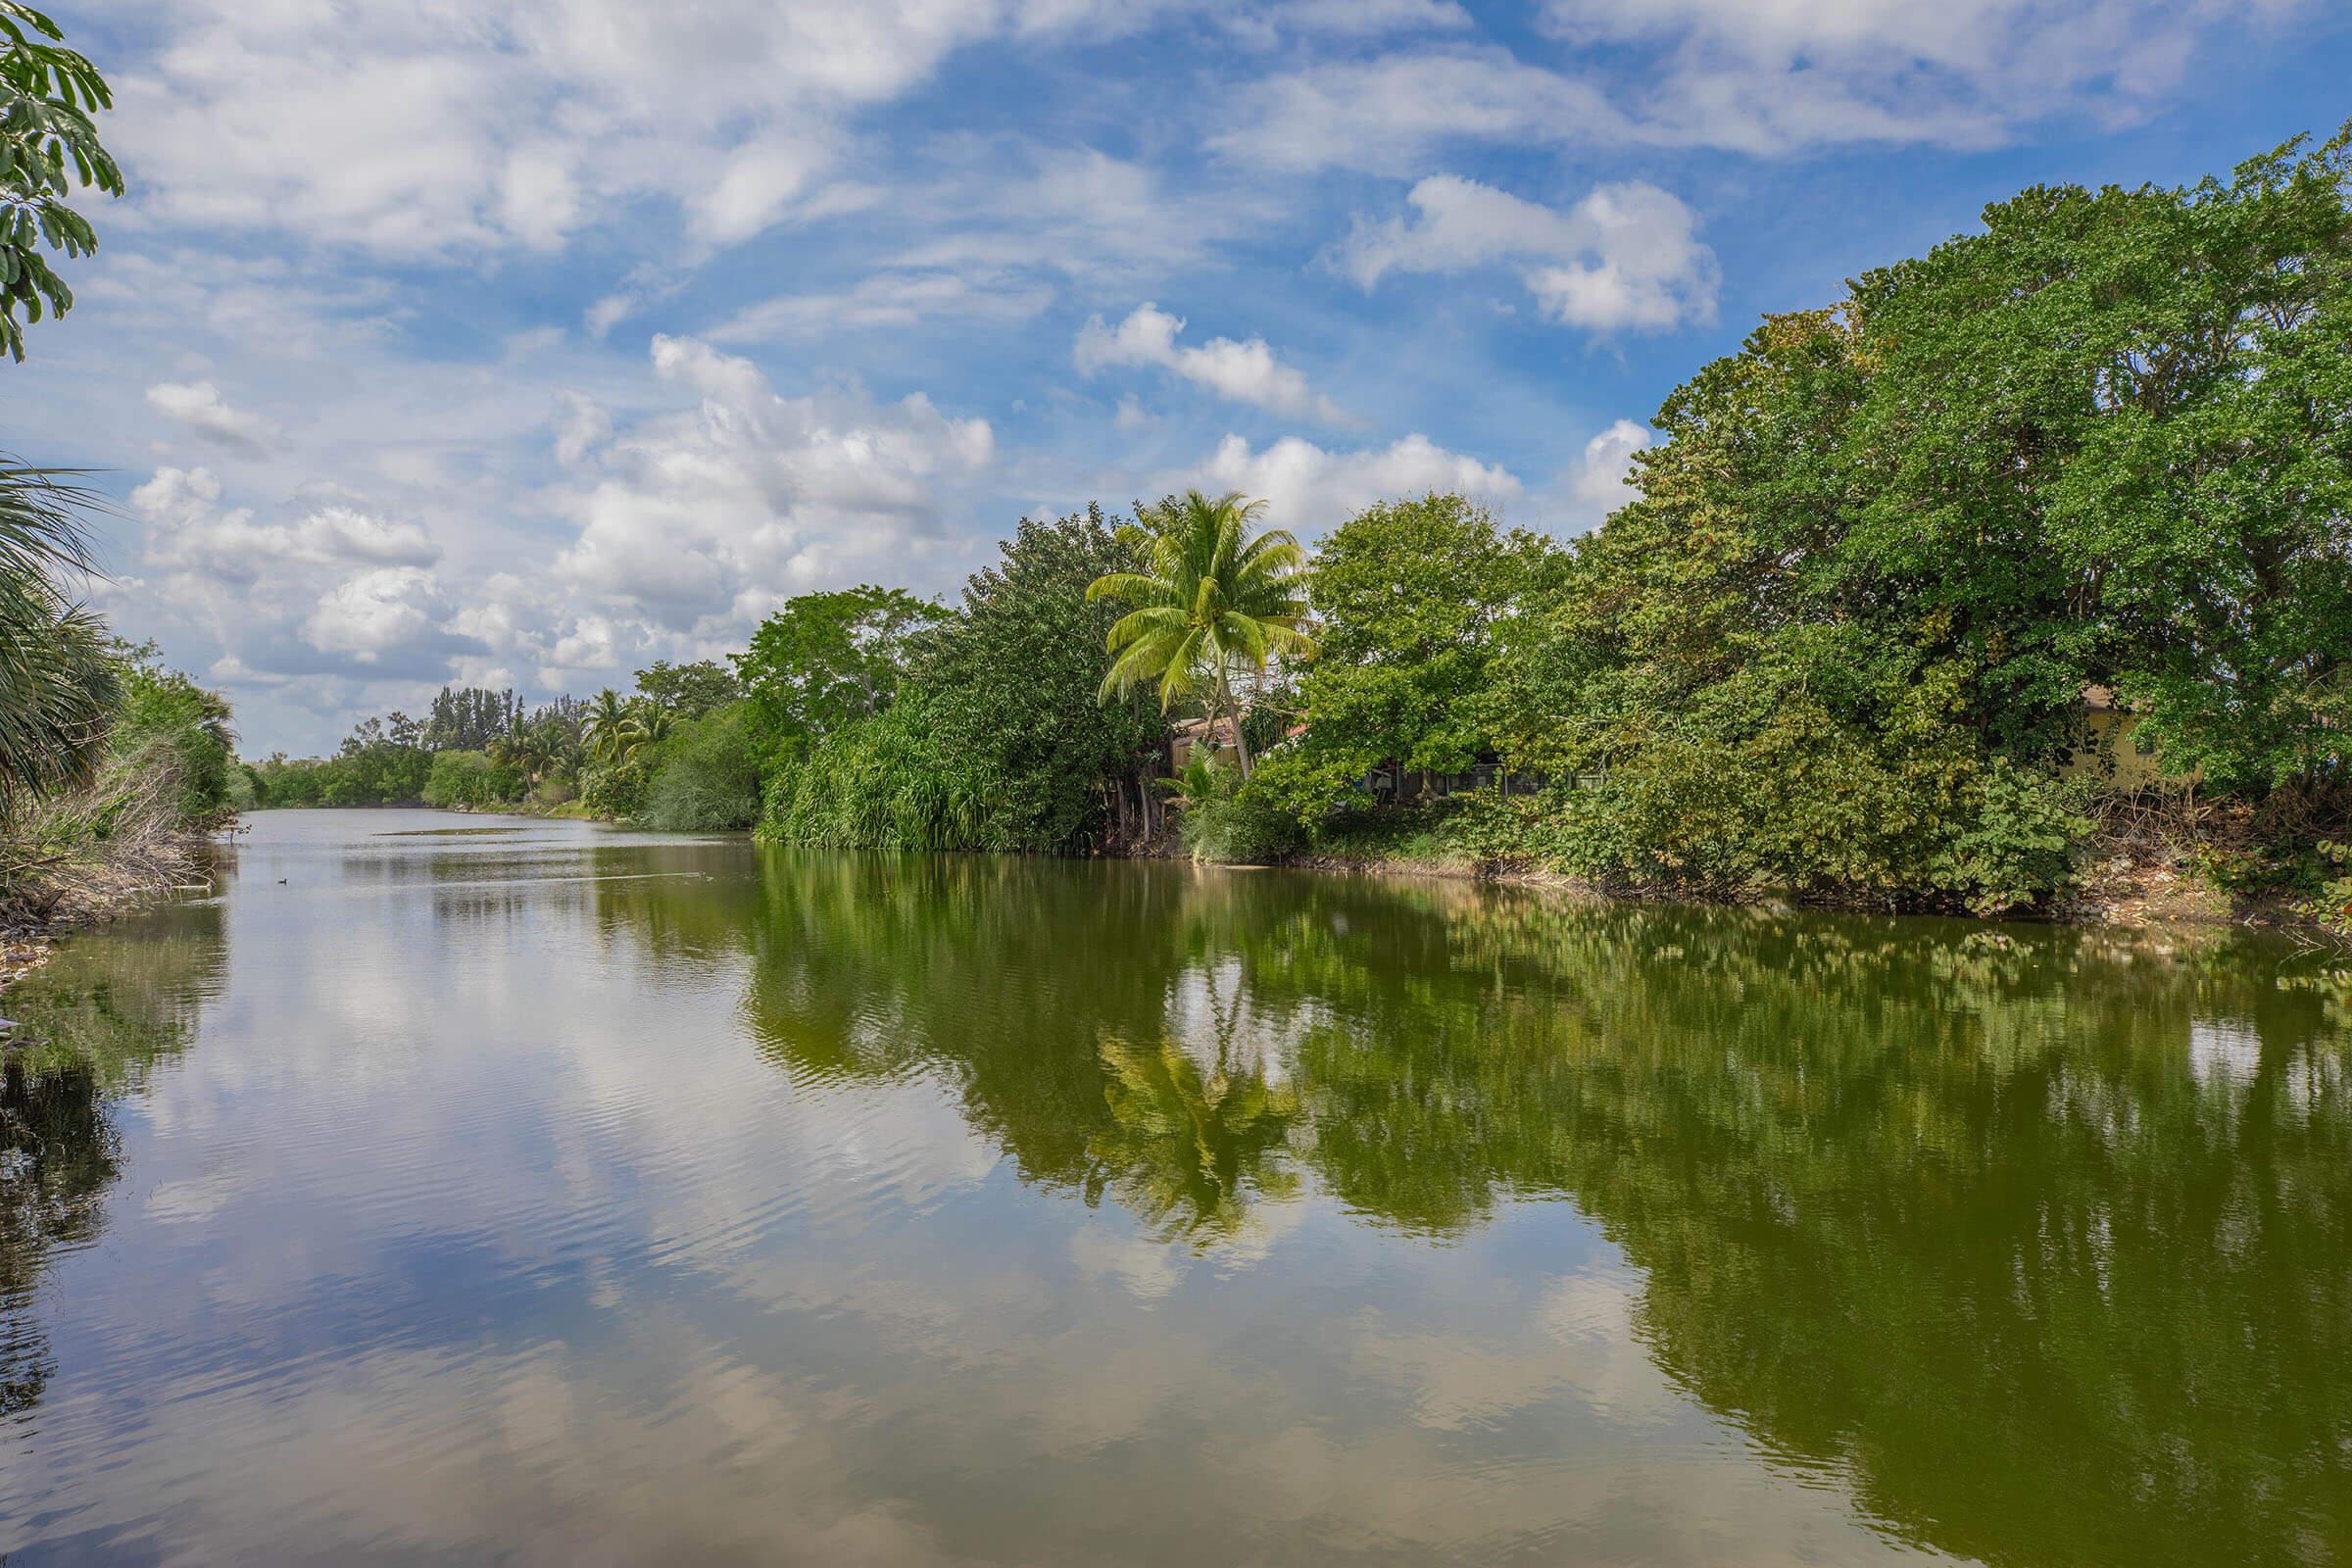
(2112, 756)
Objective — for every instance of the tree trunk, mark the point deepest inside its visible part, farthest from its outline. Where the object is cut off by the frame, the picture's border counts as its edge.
(1233, 710)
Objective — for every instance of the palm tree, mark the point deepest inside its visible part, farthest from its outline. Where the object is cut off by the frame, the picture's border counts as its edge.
(1208, 598)
(58, 685)
(647, 726)
(604, 728)
(525, 750)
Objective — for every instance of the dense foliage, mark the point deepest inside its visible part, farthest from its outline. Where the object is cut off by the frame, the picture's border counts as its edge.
(1414, 599)
(1208, 600)
(1841, 644)
(998, 738)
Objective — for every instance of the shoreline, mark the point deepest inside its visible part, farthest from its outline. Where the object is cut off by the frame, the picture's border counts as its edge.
(97, 896)
(2136, 897)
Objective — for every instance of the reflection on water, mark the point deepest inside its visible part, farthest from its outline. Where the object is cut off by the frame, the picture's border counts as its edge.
(567, 1194)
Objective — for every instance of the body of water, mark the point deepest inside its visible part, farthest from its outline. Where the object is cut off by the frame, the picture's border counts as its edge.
(467, 1189)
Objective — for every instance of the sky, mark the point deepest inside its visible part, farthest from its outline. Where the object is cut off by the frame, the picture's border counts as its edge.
(520, 343)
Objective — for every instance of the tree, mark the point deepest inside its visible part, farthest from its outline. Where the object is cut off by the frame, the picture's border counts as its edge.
(1209, 599)
(468, 718)
(1018, 675)
(48, 144)
(648, 725)
(1411, 598)
(688, 691)
(58, 684)
(828, 659)
(604, 728)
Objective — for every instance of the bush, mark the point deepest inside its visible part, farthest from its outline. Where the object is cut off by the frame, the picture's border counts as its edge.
(2331, 909)
(164, 708)
(614, 790)
(708, 778)
(882, 782)
(1232, 821)
(1815, 809)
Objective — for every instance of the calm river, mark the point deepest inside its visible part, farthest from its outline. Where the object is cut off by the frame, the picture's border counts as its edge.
(467, 1189)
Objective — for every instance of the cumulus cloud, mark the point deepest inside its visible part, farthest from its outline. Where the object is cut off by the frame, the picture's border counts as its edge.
(200, 406)
(376, 612)
(189, 530)
(1600, 481)
(390, 129)
(720, 510)
(1307, 488)
(1246, 373)
(333, 589)
(1626, 257)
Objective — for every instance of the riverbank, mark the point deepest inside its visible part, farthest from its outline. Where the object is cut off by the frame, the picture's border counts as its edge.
(50, 896)
(2124, 878)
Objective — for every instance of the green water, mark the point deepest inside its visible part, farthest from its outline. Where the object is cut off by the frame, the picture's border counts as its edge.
(561, 1195)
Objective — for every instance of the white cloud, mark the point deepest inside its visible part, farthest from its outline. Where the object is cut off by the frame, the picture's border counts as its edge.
(1308, 489)
(1387, 115)
(756, 185)
(1773, 77)
(1365, 18)
(200, 406)
(1627, 255)
(418, 130)
(1599, 483)
(1776, 75)
(189, 530)
(377, 612)
(888, 300)
(716, 513)
(1246, 373)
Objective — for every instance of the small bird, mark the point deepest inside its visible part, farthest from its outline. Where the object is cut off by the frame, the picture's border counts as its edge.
(281, 881)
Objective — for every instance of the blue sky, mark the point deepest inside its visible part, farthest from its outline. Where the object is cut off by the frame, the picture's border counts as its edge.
(522, 342)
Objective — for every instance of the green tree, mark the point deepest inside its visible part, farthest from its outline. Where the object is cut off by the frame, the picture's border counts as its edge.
(648, 725)
(48, 145)
(604, 727)
(708, 778)
(825, 660)
(164, 708)
(1209, 600)
(688, 691)
(1412, 599)
(1018, 675)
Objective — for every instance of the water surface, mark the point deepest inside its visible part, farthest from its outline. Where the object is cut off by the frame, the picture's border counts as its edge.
(561, 1194)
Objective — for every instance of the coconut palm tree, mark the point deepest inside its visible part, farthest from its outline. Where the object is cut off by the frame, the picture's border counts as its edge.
(604, 728)
(1209, 599)
(57, 683)
(649, 725)
(525, 750)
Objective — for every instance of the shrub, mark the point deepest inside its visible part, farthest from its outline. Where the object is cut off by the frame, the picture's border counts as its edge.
(1232, 821)
(881, 782)
(614, 790)
(2331, 909)
(707, 779)
(164, 708)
